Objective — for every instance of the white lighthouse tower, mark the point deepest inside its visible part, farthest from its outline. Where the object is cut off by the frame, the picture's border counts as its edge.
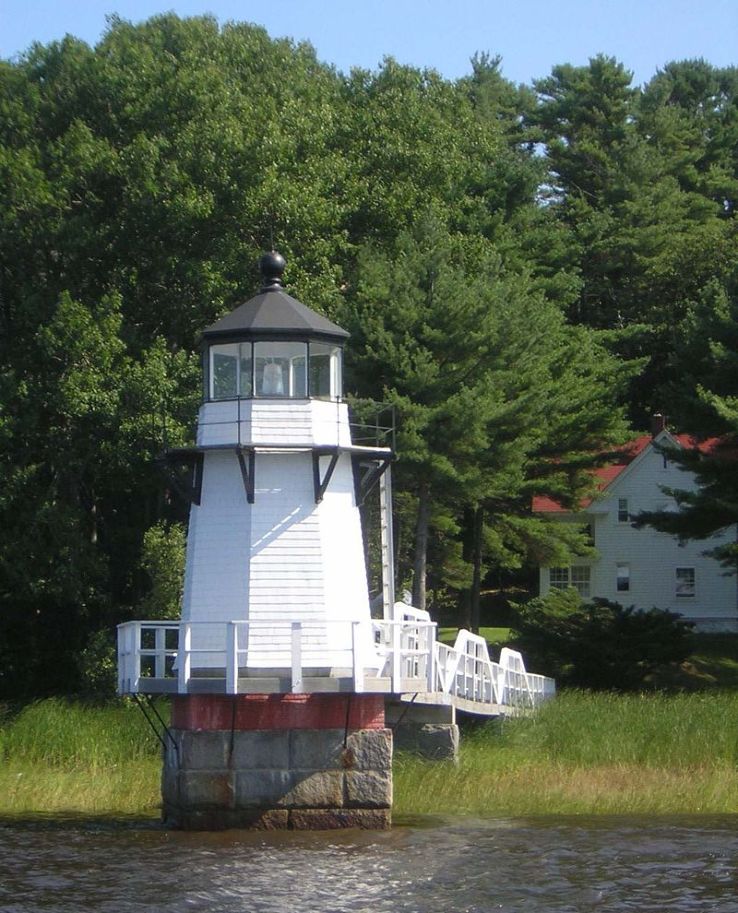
(276, 533)
(269, 727)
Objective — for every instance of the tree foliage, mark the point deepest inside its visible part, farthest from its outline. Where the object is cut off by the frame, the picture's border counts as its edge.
(497, 398)
(504, 256)
(599, 644)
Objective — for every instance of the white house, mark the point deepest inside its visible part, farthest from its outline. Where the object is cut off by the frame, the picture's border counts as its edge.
(644, 567)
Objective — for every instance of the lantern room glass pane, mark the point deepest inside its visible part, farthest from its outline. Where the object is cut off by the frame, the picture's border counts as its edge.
(224, 371)
(325, 370)
(246, 368)
(230, 370)
(280, 369)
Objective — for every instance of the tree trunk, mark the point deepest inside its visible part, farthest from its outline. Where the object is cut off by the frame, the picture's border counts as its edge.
(421, 546)
(477, 576)
(467, 554)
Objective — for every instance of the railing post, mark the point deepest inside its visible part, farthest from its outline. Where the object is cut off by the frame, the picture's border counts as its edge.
(396, 639)
(430, 669)
(136, 656)
(387, 544)
(183, 657)
(356, 652)
(160, 640)
(296, 657)
(232, 658)
(125, 653)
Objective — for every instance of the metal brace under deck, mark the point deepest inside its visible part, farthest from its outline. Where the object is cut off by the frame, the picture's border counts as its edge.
(190, 490)
(159, 728)
(365, 480)
(369, 465)
(247, 472)
(320, 485)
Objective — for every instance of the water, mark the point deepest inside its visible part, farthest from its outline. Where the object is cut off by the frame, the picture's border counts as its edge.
(553, 865)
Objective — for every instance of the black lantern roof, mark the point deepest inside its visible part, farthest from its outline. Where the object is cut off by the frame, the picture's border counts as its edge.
(273, 313)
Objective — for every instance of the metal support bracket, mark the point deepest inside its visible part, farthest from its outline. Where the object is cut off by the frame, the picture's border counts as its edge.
(247, 472)
(367, 473)
(320, 485)
(190, 489)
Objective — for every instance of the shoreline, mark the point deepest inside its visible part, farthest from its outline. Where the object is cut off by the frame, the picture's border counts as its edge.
(582, 754)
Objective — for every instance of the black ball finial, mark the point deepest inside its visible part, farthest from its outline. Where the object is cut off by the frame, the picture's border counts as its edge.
(272, 266)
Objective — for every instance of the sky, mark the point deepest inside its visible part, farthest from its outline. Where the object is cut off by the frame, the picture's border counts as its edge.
(530, 35)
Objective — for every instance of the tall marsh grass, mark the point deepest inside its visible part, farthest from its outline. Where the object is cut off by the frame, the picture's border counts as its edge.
(588, 753)
(63, 733)
(652, 730)
(582, 753)
(59, 757)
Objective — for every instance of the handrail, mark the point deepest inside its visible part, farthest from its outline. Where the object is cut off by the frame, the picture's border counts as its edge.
(404, 651)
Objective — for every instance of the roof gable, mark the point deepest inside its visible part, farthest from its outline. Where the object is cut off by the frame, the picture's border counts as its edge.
(626, 460)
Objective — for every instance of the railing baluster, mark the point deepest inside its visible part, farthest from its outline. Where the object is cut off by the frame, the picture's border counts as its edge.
(430, 668)
(357, 653)
(396, 632)
(138, 646)
(184, 658)
(296, 657)
(160, 635)
(232, 658)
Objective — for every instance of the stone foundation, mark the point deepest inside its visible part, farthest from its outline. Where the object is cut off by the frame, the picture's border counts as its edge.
(426, 730)
(274, 777)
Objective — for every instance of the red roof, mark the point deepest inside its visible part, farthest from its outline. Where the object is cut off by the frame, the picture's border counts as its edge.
(625, 455)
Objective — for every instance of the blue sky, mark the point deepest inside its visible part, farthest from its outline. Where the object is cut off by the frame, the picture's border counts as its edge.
(531, 35)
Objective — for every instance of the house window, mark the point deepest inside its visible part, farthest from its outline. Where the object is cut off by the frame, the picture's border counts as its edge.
(623, 515)
(622, 578)
(558, 578)
(578, 576)
(580, 579)
(685, 582)
(589, 532)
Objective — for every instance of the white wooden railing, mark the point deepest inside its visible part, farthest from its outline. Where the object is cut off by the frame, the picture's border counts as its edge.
(399, 657)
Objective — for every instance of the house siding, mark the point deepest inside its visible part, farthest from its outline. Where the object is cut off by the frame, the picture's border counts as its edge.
(652, 557)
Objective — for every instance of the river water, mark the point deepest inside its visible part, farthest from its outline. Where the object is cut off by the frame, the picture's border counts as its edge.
(551, 865)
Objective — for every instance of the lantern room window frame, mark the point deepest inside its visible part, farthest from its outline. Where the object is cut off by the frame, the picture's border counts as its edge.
(273, 368)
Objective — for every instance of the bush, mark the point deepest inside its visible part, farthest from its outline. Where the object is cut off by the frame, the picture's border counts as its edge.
(98, 665)
(598, 644)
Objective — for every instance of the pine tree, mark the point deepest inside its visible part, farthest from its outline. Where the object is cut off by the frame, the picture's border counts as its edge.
(497, 398)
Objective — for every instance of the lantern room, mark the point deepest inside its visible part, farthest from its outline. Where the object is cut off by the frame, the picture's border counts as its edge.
(273, 347)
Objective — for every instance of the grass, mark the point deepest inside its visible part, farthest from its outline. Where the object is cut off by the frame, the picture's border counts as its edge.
(716, 657)
(497, 637)
(60, 757)
(582, 753)
(588, 753)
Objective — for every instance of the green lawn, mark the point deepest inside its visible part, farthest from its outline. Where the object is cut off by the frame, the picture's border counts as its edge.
(716, 659)
(498, 637)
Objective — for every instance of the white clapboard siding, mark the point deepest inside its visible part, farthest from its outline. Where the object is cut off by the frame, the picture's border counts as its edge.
(303, 423)
(652, 557)
(282, 558)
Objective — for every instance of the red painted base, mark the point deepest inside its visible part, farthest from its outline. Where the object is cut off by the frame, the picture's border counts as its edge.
(277, 711)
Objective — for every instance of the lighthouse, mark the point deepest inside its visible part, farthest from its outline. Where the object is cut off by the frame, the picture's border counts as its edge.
(271, 725)
(278, 674)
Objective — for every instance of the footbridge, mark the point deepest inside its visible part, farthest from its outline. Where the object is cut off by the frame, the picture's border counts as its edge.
(400, 658)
